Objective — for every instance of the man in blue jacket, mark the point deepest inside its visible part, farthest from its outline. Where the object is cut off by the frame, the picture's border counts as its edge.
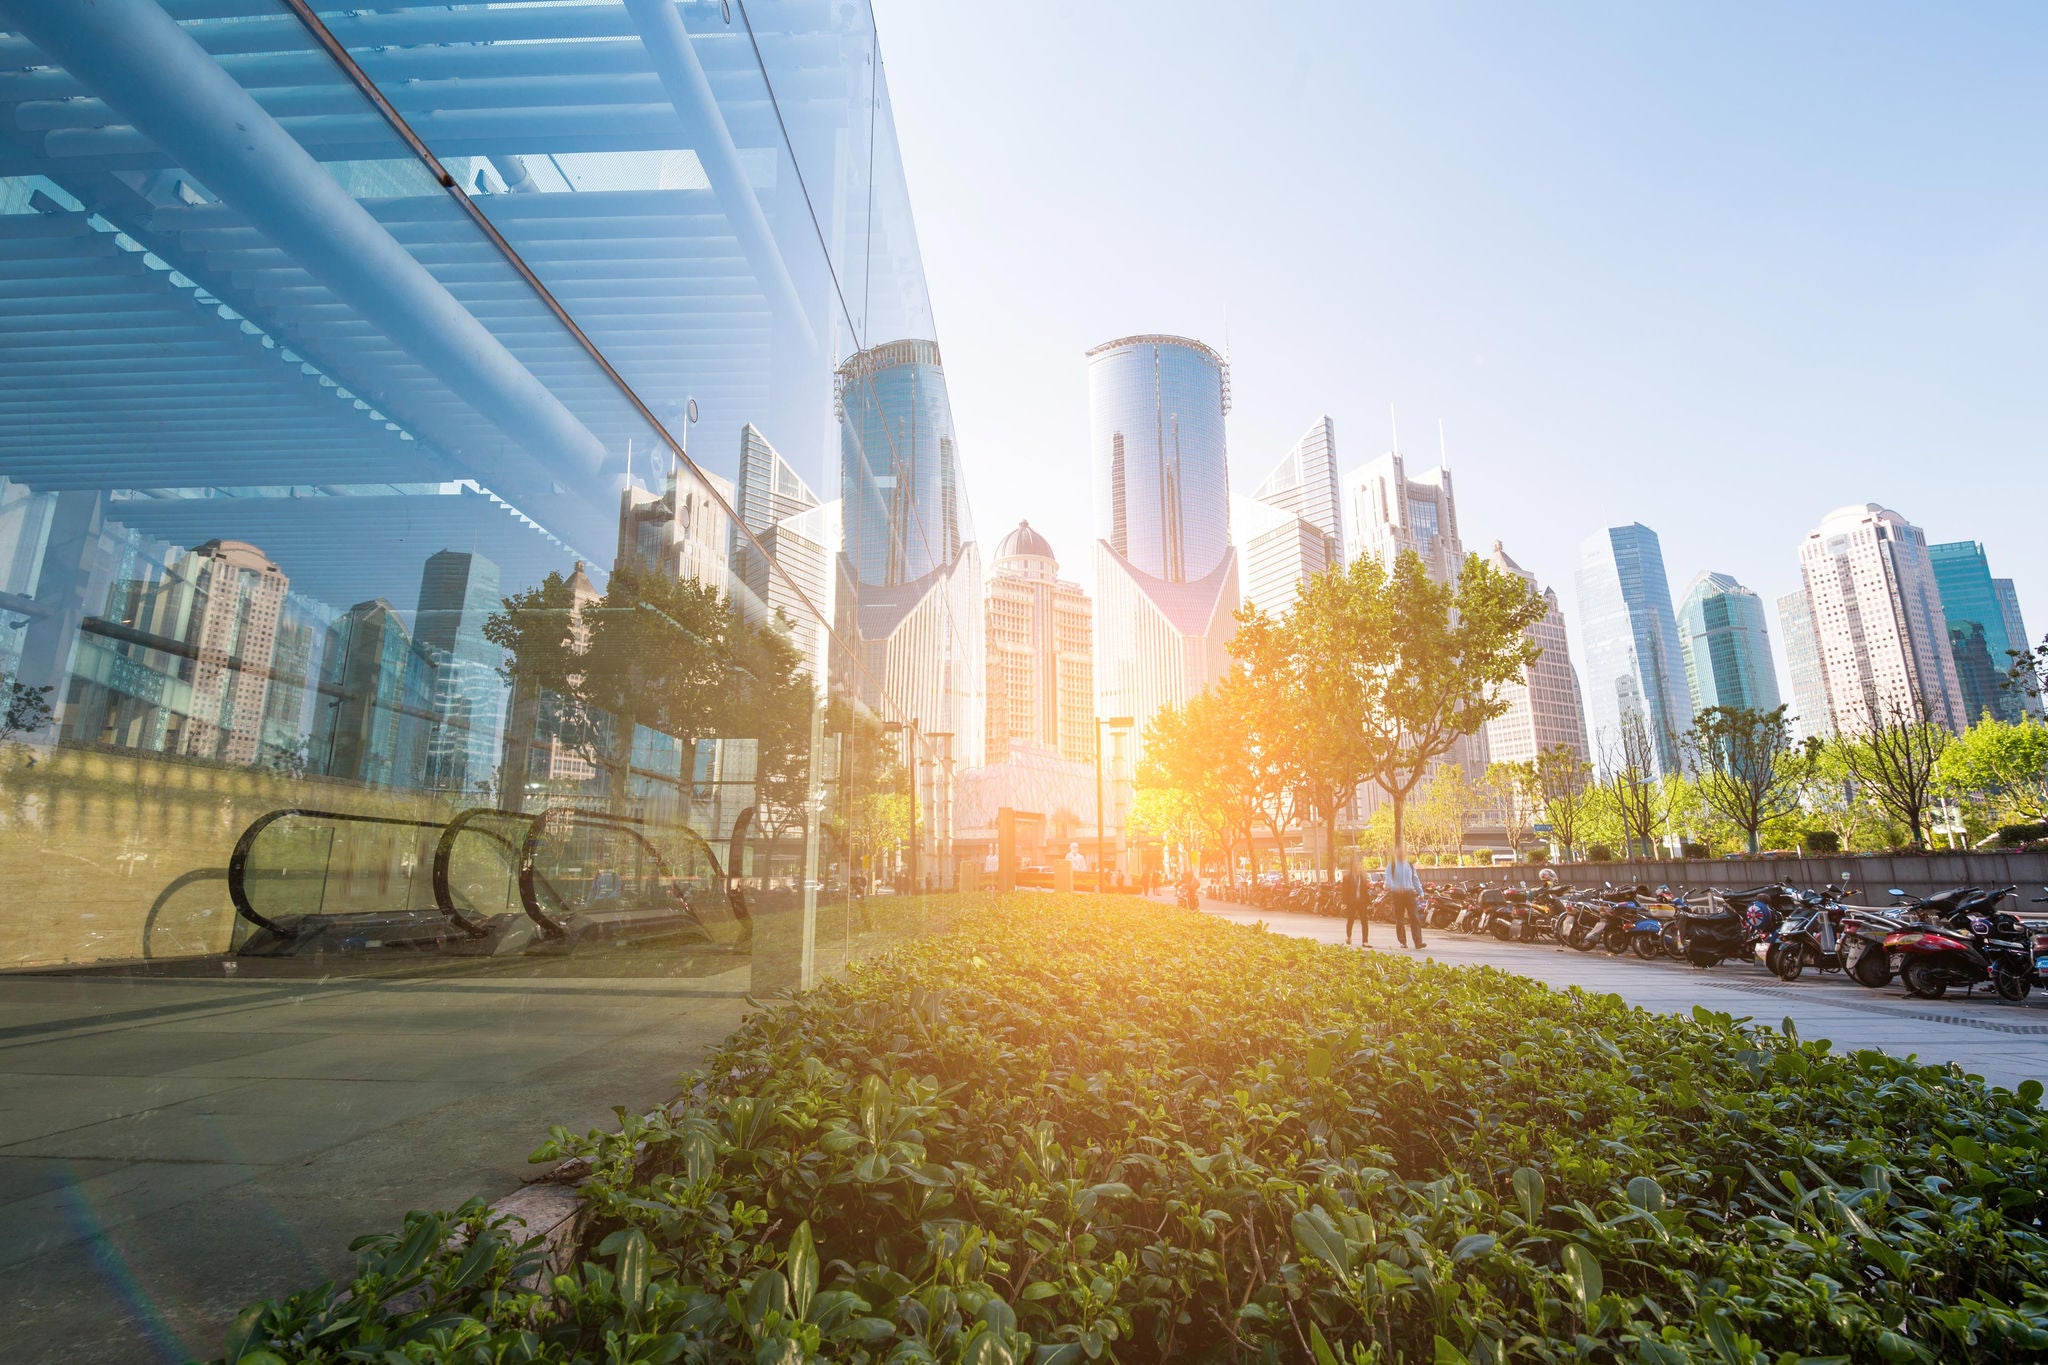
(1404, 897)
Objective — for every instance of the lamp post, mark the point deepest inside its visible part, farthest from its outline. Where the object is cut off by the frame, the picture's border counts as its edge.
(1113, 723)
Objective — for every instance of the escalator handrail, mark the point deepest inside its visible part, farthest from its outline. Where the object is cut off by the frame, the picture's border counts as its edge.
(444, 853)
(626, 824)
(238, 861)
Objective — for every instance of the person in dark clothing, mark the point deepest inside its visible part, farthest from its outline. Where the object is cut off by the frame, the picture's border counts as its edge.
(1356, 896)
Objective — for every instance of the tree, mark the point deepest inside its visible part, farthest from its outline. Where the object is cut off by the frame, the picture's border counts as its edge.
(23, 709)
(1744, 766)
(1515, 792)
(1895, 762)
(2005, 763)
(1412, 665)
(1632, 786)
(1200, 749)
(1564, 789)
(1450, 803)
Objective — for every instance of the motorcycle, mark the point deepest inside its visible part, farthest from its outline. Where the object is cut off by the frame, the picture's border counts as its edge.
(1707, 938)
(1932, 958)
(1805, 938)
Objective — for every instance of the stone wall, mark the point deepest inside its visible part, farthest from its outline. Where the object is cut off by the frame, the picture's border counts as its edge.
(1865, 876)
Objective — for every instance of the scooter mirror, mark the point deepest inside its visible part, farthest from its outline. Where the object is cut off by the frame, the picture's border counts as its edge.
(1894, 891)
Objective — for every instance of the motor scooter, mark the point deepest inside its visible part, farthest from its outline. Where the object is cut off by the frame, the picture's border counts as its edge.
(1965, 950)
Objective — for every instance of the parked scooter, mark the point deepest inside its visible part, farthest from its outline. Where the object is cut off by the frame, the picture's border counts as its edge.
(1970, 945)
(1806, 938)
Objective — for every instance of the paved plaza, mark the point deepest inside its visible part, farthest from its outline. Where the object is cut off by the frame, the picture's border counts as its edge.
(2005, 1044)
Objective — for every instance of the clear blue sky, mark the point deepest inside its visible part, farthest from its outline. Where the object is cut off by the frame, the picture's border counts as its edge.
(1717, 269)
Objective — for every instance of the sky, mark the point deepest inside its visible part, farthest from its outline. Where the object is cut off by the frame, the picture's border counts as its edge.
(1715, 269)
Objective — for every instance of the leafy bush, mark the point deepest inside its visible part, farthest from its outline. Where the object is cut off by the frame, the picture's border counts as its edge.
(1689, 849)
(1094, 1128)
(1821, 843)
(1599, 853)
(2014, 835)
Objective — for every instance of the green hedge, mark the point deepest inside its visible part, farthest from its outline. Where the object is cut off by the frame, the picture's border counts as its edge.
(1096, 1128)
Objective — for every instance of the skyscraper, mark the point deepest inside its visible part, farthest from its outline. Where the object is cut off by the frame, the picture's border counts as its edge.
(1978, 635)
(458, 593)
(1304, 484)
(899, 476)
(681, 532)
(1727, 646)
(1877, 620)
(1277, 552)
(1041, 658)
(1155, 416)
(1545, 710)
(1166, 573)
(1385, 512)
(1634, 665)
(2016, 634)
(377, 694)
(1811, 718)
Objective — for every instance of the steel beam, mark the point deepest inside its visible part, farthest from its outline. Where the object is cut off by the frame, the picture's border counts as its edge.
(148, 68)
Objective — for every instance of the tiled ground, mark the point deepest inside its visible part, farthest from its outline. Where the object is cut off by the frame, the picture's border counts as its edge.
(2005, 1044)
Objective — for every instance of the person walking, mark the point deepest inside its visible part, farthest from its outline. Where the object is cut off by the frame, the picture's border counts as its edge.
(1356, 896)
(1404, 895)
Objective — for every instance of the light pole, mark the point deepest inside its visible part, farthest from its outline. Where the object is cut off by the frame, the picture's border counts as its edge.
(1101, 862)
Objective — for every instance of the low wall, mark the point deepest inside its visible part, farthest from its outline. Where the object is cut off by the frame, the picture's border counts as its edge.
(1866, 877)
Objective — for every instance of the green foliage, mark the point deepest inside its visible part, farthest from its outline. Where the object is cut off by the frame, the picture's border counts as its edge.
(1095, 1129)
(2003, 764)
(1746, 765)
(1822, 843)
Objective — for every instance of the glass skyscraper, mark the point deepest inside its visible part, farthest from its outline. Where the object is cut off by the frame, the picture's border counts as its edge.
(1978, 633)
(1633, 662)
(1155, 430)
(1723, 633)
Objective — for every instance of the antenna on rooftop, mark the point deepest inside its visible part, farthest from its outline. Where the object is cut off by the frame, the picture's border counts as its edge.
(1443, 451)
(1396, 426)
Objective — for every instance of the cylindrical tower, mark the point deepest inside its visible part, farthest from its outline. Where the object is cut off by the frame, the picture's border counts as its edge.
(898, 469)
(1155, 416)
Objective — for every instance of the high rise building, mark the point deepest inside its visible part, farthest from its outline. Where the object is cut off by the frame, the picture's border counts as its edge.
(1155, 417)
(2016, 635)
(1041, 654)
(1634, 665)
(899, 475)
(458, 593)
(1545, 710)
(1277, 552)
(1810, 717)
(1979, 639)
(1877, 620)
(1727, 646)
(1304, 484)
(1166, 573)
(1385, 511)
(377, 690)
(681, 532)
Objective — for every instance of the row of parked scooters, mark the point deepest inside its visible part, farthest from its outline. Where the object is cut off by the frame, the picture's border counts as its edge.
(1960, 939)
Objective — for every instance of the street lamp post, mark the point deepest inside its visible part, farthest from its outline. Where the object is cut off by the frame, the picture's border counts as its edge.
(1101, 861)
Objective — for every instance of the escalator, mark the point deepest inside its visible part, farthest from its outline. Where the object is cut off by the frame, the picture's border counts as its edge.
(318, 881)
(487, 883)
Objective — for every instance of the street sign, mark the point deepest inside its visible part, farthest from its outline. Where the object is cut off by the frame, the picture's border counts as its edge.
(1539, 829)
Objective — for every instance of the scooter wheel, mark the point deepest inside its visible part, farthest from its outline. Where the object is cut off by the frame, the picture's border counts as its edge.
(2011, 986)
(1920, 981)
(1648, 947)
(1789, 966)
(1872, 971)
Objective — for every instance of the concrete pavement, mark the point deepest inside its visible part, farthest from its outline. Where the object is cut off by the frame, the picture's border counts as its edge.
(2004, 1044)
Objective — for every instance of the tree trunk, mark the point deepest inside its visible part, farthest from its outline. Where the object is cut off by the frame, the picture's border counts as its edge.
(1400, 809)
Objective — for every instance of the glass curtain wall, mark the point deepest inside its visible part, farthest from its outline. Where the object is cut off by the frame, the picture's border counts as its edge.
(382, 596)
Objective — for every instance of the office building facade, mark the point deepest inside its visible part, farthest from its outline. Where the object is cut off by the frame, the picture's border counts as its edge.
(1166, 573)
(1981, 612)
(1878, 624)
(1545, 710)
(1386, 510)
(1633, 665)
(1810, 715)
(1727, 646)
(1305, 484)
(1277, 552)
(1041, 654)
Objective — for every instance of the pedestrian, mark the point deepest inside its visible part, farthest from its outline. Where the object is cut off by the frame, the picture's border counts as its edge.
(1404, 895)
(1356, 895)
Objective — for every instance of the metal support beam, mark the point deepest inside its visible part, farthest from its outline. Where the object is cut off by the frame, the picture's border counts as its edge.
(682, 76)
(146, 67)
